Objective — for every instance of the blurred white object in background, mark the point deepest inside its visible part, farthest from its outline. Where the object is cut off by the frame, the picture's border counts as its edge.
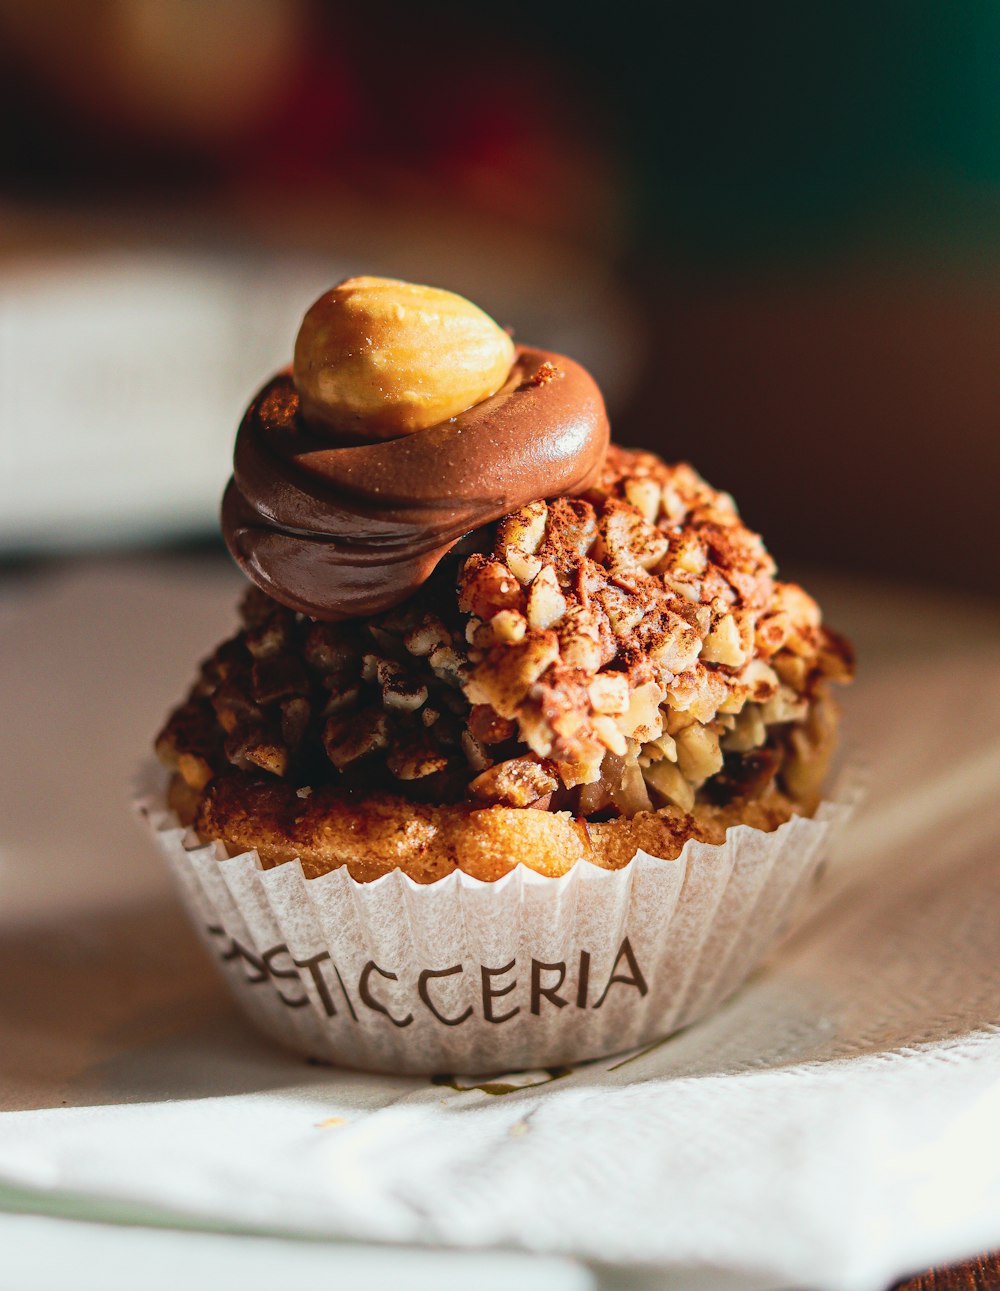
(121, 380)
(123, 374)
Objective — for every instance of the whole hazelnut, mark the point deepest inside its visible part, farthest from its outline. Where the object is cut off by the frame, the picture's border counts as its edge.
(376, 358)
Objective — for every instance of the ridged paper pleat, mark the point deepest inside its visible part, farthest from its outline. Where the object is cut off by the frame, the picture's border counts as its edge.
(461, 976)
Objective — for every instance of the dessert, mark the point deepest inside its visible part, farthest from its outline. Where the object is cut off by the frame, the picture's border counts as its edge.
(479, 636)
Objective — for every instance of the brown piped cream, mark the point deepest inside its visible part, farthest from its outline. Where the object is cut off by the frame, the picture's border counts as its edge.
(341, 532)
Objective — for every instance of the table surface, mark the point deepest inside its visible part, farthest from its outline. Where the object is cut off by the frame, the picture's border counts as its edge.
(982, 1274)
(57, 1249)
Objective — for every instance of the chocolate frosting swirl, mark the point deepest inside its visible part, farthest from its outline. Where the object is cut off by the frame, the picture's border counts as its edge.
(342, 531)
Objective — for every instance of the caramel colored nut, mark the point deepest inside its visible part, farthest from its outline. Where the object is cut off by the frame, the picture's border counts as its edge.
(348, 738)
(642, 719)
(376, 358)
(517, 782)
(546, 603)
(723, 645)
(508, 627)
(698, 753)
(487, 587)
(668, 783)
(608, 693)
(514, 670)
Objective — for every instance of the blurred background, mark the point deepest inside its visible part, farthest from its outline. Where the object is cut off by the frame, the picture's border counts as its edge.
(772, 230)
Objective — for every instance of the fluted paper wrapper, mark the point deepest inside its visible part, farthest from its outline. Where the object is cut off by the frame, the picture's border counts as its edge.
(461, 976)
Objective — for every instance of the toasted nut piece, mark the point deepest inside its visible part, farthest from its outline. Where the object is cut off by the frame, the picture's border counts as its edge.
(508, 627)
(378, 358)
(585, 638)
(182, 800)
(760, 680)
(723, 644)
(664, 746)
(785, 706)
(269, 755)
(278, 676)
(675, 720)
(609, 734)
(698, 752)
(608, 693)
(683, 585)
(644, 495)
(585, 765)
(679, 647)
(256, 607)
(628, 541)
(480, 636)
(348, 738)
(295, 715)
(255, 747)
(625, 785)
(487, 587)
(624, 612)
(475, 752)
(380, 670)
(642, 720)
(387, 670)
(513, 671)
(792, 670)
(448, 665)
(798, 604)
(698, 695)
(568, 723)
(517, 782)
(811, 748)
(404, 694)
(228, 661)
(805, 770)
(533, 728)
(267, 639)
(523, 567)
(400, 619)
(523, 530)
(195, 770)
(423, 639)
(190, 729)
(773, 630)
(675, 508)
(233, 707)
(342, 695)
(329, 648)
(748, 733)
(734, 703)
(415, 761)
(667, 782)
(546, 603)
(688, 554)
(593, 798)
(570, 530)
(489, 727)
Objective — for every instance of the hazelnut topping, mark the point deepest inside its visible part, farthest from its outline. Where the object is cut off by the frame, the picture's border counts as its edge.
(449, 427)
(376, 358)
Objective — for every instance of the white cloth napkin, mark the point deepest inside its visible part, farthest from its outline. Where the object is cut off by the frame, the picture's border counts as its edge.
(836, 1125)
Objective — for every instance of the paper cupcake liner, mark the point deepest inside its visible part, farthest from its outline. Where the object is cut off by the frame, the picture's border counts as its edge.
(462, 976)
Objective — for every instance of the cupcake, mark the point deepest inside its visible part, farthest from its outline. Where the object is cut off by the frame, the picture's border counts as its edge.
(517, 755)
